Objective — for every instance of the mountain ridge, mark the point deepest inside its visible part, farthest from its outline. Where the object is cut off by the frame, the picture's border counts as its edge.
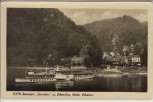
(126, 25)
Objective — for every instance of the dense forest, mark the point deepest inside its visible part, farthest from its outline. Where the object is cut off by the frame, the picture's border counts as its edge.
(113, 34)
(40, 37)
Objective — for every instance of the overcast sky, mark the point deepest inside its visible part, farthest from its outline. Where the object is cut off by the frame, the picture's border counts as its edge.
(84, 16)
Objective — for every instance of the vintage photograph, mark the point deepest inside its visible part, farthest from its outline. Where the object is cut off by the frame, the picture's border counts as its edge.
(79, 50)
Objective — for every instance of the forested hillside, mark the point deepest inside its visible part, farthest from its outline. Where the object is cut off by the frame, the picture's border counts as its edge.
(39, 36)
(113, 34)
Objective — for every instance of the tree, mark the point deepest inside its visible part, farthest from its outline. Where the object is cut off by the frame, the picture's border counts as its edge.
(88, 61)
(144, 56)
(97, 60)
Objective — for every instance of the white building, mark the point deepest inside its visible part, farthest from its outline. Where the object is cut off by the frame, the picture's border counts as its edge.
(135, 58)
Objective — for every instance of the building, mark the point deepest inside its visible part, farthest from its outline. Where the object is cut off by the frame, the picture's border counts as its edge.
(133, 60)
(114, 60)
(136, 60)
(77, 61)
(107, 59)
(129, 58)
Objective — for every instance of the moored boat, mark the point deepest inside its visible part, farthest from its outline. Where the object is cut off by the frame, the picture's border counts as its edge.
(82, 76)
(44, 77)
(111, 70)
(111, 75)
(34, 79)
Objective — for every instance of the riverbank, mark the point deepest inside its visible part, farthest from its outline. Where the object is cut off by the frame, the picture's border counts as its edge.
(123, 71)
(94, 70)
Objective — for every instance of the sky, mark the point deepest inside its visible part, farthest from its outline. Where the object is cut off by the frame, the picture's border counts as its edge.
(85, 16)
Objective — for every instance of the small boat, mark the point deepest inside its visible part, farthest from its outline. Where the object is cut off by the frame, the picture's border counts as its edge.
(125, 74)
(111, 75)
(112, 70)
(31, 72)
(82, 76)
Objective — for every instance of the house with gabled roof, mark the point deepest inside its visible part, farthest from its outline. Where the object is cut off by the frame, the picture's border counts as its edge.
(115, 60)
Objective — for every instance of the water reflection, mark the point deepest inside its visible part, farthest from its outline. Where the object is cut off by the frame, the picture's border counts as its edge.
(120, 84)
(63, 84)
(125, 83)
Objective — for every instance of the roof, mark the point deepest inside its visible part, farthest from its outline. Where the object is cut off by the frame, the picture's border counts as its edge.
(108, 58)
(114, 58)
(119, 57)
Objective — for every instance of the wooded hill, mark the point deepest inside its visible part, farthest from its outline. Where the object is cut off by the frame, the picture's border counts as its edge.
(36, 37)
(113, 34)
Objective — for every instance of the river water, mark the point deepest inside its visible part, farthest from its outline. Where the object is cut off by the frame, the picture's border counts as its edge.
(132, 83)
